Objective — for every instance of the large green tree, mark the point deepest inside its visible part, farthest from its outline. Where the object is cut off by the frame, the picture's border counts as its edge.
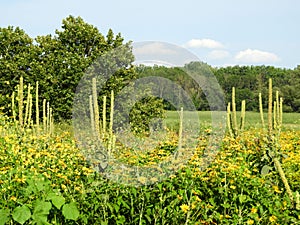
(66, 56)
(16, 59)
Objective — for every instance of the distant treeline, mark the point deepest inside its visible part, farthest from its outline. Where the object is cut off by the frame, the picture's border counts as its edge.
(249, 81)
(58, 62)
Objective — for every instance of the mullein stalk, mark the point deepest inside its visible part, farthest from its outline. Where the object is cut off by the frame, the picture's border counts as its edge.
(180, 129)
(29, 122)
(104, 117)
(111, 122)
(51, 122)
(280, 110)
(234, 120)
(48, 117)
(44, 117)
(277, 107)
(275, 159)
(284, 180)
(27, 106)
(13, 106)
(21, 96)
(92, 113)
(229, 120)
(96, 107)
(270, 103)
(37, 110)
(261, 111)
(297, 200)
(243, 115)
(275, 115)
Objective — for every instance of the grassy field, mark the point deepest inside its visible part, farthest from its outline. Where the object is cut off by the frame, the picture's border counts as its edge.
(291, 121)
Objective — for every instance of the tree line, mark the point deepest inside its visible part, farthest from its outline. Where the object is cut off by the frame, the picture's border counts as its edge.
(59, 62)
(248, 81)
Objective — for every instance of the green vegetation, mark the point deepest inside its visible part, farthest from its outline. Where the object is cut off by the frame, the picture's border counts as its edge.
(49, 177)
(248, 81)
(291, 121)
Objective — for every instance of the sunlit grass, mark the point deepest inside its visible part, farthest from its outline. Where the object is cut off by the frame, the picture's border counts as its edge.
(290, 120)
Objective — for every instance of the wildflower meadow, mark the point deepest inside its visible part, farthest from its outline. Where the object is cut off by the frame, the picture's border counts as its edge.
(45, 178)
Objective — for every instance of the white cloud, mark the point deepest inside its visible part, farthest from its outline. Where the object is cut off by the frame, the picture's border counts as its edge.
(153, 48)
(203, 43)
(256, 56)
(161, 53)
(218, 54)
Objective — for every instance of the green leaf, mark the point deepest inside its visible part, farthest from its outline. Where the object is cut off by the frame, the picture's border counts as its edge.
(57, 200)
(265, 170)
(4, 216)
(21, 214)
(41, 212)
(70, 211)
(242, 198)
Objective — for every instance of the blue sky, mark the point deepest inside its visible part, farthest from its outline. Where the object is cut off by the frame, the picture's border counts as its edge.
(219, 32)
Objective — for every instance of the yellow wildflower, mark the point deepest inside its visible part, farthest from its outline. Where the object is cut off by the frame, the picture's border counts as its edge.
(185, 208)
(250, 221)
(276, 189)
(179, 197)
(254, 210)
(13, 198)
(272, 219)
(198, 199)
(232, 187)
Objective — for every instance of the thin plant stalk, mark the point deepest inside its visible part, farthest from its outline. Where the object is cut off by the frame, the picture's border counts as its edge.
(297, 200)
(284, 180)
(261, 111)
(27, 106)
(92, 113)
(44, 116)
(277, 107)
(21, 96)
(104, 116)
(29, 122)
(229, 120)
(13, 106)
(270, 103)
(275, 115)
(234, 120)
(180, 129)
(51, 122)
(111, 122)
(37, 111)
(280, 110)
(96, 107)
(48, 117)
(243, 115)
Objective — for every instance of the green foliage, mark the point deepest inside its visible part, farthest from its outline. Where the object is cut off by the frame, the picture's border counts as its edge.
(21, 214)
(146, 114)
(47, 181)
(58, 62)
(70, 211)
(248, 80)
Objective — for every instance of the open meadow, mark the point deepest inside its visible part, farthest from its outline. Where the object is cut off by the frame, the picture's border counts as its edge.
(291, 121)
